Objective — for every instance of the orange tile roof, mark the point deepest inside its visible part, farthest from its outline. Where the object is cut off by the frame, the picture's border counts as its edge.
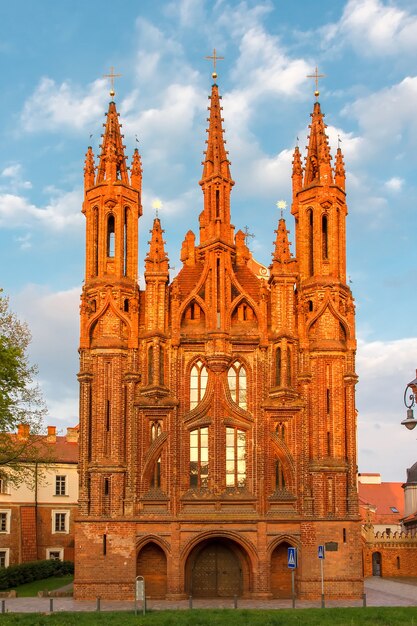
(381, 497)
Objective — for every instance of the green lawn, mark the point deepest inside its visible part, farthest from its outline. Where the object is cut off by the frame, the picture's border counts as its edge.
(372, 616)
(46, 584)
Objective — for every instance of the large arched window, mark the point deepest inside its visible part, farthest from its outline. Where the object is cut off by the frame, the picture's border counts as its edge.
(235, 457)
(199, 460)
(325, 237)
(198, 383)
(236, 377)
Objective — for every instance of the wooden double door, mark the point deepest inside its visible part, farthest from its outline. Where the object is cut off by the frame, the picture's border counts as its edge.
(216, 572)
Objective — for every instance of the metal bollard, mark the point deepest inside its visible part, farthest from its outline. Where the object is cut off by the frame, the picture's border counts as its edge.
(293, 601)
(3, 606)
(364, 599)
(51, 605)
(235, 602)
(323, 604)
(98, 604)
(190, 602)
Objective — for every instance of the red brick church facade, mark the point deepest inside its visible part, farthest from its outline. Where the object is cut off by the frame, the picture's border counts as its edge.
(217, 411)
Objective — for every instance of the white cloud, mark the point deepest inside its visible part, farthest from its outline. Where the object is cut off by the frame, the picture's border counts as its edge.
(374, 28)
(59, 107)
(53, 318)
(13, 175)
(24, 241)
(394, 184)
(63, 210)
(384, 368)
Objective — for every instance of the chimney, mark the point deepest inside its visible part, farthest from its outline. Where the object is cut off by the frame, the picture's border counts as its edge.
(23, 431)
(51, 436)
(72, 434)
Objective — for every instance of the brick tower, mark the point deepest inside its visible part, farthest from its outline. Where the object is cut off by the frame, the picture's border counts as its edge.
(217, 412)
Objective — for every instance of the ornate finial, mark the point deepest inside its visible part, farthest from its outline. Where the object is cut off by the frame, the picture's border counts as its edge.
(157, 204)
(112, 76)
(214, 58)
(316, 77)
(248, 234)
(282, 205)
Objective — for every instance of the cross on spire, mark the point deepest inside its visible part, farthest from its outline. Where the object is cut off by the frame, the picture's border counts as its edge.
(316, 77)
(248, 234)
(214, 58)
(112, 76)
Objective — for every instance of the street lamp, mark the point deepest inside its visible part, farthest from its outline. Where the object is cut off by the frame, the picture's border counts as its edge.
(410, 400)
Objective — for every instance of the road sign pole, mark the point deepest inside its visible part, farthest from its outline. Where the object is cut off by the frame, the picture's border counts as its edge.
(293, 587)
(322, 583)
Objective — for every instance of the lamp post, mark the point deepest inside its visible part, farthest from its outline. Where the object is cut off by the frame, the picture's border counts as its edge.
(410, 400)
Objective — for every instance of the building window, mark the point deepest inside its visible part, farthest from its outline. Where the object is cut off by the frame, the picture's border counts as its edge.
(60, 485)
(156, 430)
(199, 466)
(60, 521)
(236, 377)
(235, 457)
(110, 236)
(325, 239)
(4, 558)
(278, 367)
(198, 383)
(4, 487)
(55, 554)
(5, 522)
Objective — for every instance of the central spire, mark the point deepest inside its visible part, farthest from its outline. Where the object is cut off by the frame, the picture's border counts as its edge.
(112, 164)
(216, 180)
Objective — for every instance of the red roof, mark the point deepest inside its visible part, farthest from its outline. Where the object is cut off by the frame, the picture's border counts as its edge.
(382, 498)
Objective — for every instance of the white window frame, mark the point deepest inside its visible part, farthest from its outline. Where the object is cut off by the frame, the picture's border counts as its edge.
(65, 481)
(56, 512)
(59, 551)
(8, 513)
(6, 556)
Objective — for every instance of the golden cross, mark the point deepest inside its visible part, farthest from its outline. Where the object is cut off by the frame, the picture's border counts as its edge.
(316, 77)
(214, 58)
(112, 76)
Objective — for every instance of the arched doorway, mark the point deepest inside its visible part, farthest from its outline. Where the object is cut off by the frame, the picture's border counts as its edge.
(152, 565)
(376, 564)
(280, 573)
(217, 568)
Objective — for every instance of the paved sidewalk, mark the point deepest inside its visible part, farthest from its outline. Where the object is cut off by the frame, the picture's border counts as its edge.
(379, 592)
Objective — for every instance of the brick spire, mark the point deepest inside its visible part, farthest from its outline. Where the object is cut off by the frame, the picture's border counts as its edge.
(112, 164)
(157, 259)
(339, 170)
(318, 170)
(89, 169)
(282, 253)
(297, 171)
(216, 180)
(136, 171)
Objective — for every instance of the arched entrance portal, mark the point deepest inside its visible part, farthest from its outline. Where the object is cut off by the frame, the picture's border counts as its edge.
(217, 568)
(280, 572)
(376, 564)
(152, 565)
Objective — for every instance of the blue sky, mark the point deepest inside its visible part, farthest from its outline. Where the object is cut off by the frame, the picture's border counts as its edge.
(52, 59)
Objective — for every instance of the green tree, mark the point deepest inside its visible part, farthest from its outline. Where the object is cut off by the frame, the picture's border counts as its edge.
(21, 400)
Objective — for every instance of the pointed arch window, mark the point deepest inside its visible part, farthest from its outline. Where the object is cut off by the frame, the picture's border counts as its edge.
(325, 238)
(199, 460)
(156, 430)
(110, 236)
(198, 383)
(236, 378)
(310, 242)
(95, 241)
(278, 367)
(156, 475)
(125, 240)
(235, 457)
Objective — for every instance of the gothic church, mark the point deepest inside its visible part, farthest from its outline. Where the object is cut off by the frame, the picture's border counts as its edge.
(217, 411)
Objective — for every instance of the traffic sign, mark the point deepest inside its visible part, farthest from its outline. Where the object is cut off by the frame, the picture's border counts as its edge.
(292, 558)
(321, 552)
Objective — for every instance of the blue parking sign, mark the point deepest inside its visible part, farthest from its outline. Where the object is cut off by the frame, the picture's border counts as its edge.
(321, 552)
(292, 558)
